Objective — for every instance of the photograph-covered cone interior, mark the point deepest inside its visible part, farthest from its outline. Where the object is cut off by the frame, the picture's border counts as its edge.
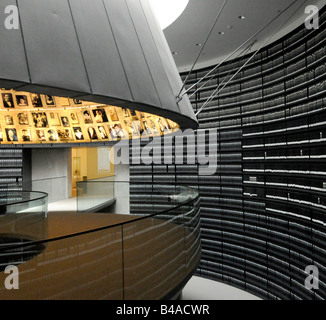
(29, 118)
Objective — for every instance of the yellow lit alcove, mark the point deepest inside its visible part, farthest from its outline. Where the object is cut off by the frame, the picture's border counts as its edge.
(89, 163)
(30, 118)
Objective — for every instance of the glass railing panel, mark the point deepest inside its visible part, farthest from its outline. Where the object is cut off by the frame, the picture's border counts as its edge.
(23, 216)
(192, 227)
(154, 258)
(56, 187)
(144, 255)
(22, 221)
(93, 196)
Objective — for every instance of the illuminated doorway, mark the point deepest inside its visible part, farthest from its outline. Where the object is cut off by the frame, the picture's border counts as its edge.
(89, 163)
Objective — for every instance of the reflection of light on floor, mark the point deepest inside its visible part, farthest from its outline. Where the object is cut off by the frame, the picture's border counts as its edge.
(63, 205)
(70, 205)
(32, 209)
(204, 289)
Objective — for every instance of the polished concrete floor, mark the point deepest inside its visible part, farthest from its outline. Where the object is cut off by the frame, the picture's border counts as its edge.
(63, 205)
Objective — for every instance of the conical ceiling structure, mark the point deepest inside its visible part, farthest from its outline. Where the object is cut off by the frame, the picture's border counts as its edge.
(69, 56)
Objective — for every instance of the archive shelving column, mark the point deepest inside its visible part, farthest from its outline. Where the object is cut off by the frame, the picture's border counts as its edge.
(263, 213)
(11, 170)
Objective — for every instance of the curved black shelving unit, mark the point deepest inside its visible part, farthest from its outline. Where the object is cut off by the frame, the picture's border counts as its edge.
(263, 213)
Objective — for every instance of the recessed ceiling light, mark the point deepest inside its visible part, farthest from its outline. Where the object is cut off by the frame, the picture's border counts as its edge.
(229, 27)
(174, 52)
(242, 17)
(198, 44)
(221, 32)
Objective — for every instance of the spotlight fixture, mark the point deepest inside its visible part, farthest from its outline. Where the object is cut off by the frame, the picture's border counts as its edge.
(242, 17)
(221, 32)
(167, 11)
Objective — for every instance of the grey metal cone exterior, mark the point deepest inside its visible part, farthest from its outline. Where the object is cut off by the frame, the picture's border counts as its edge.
(105, 51)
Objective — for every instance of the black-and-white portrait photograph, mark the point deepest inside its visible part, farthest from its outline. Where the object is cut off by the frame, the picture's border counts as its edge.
(41, 135)
(78, 133)
(132, 128)
(49, 100)
(23, 118)
(26, 135)
(102, 132)
(40, 119)
(52, 135)
(74, 118)
(7, 100)
(113, 114)
(65, 121)
(11, 134)
(126, 112)
(92, 133)
(65, 134)
(116, 132)
(9, 120)
(87, 117)
(22, 100)
(36, 100)
(100, 116)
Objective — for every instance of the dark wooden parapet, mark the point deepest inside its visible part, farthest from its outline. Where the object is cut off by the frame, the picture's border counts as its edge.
(136, 258)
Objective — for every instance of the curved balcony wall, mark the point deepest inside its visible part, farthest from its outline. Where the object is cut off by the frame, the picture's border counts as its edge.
(113, 256)
(263, 213)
